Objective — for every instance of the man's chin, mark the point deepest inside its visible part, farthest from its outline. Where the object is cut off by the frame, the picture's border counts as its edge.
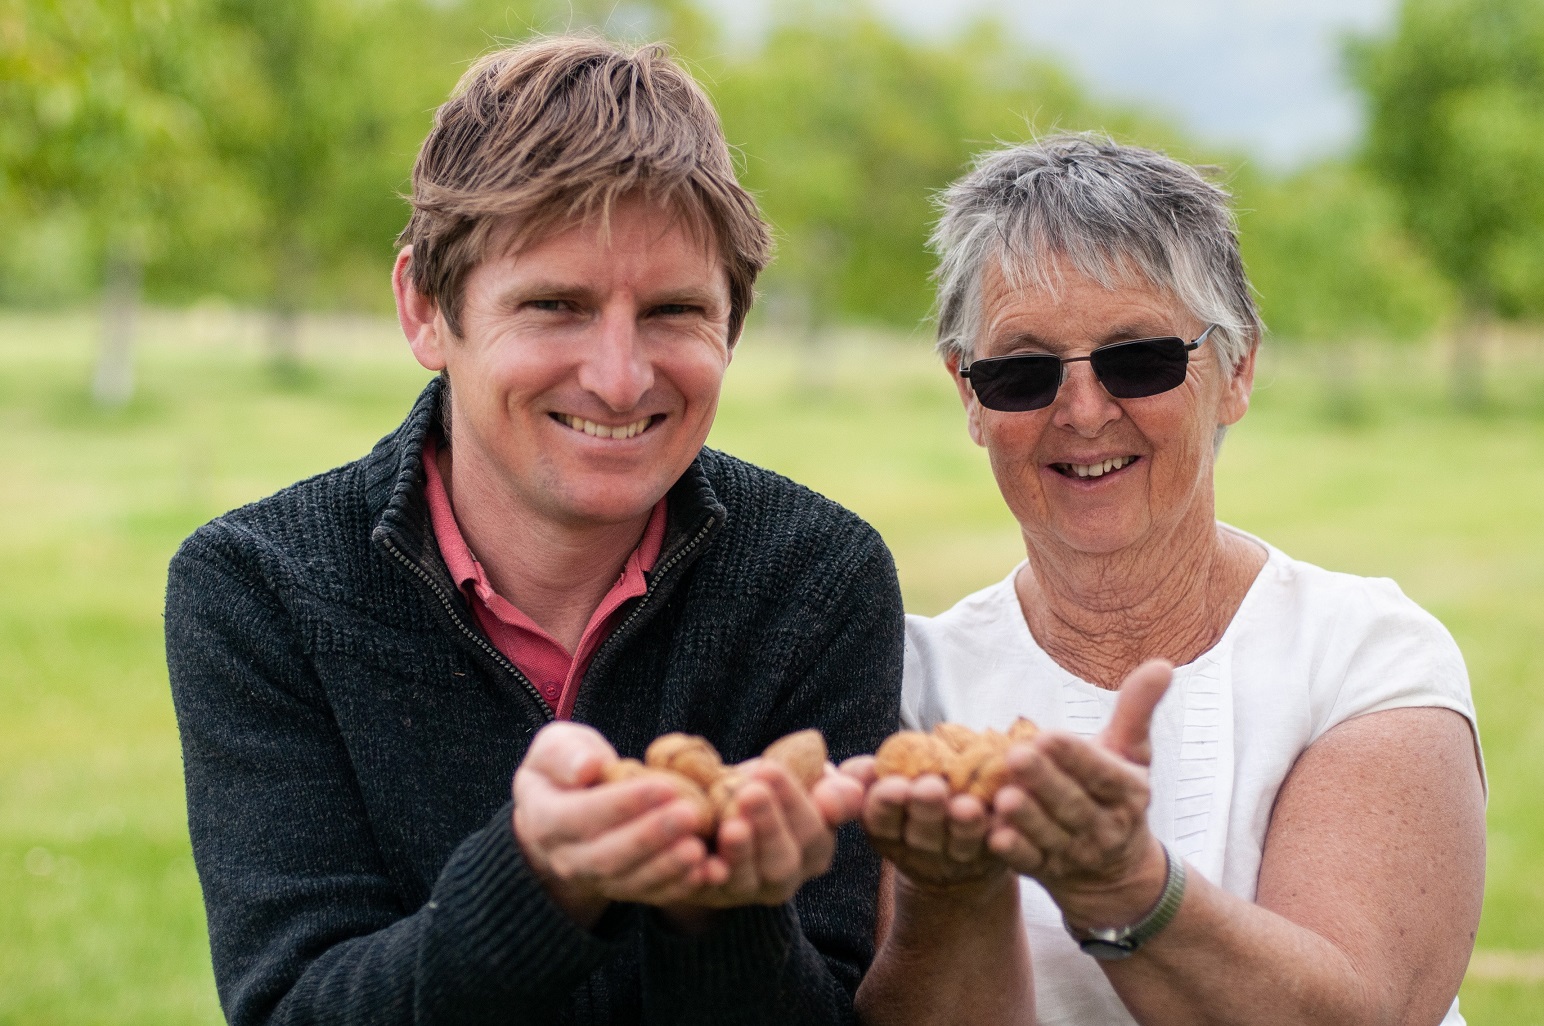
(603, 507)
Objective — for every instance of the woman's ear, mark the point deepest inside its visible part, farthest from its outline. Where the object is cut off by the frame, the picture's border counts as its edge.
(967, 399)
(418, 314)
(1237, 389)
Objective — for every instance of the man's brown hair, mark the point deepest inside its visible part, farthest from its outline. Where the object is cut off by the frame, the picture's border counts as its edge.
(554, 132)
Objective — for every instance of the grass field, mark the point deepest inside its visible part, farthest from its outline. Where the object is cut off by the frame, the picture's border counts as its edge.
(100, 918)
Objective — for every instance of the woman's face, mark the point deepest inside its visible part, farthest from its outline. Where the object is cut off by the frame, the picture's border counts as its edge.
(1162, 444)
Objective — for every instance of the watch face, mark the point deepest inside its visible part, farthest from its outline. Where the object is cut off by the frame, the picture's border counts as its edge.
(1106, 951)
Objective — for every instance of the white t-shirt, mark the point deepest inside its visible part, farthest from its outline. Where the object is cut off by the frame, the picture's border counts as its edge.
(1307, 649)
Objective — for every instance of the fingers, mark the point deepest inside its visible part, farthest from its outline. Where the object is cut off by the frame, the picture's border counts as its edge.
(968, 824)
(838, 797)
(1107, 778)
(860, 768)
(579, 815)
(923, 816)
(1127, 733)
(569, 754)
(884, 808)
(1024, 816)
(665, 877)
(605, 858)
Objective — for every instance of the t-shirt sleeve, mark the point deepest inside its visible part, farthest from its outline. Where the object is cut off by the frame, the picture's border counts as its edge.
(913, 677)
(1389, 653)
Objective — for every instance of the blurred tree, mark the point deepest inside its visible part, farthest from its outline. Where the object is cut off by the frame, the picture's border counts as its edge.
(849, 128)
(1456, 95)
(99, 138)
(1334, 266)
(303, 111)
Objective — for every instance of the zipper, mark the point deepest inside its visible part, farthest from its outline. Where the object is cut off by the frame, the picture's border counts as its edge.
(482, 643)
(664, 569)
(499, 657)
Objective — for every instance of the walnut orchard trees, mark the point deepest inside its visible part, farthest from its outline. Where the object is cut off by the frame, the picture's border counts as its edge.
(257, 149)
(102, 156)
(250, 149)
(1456, 129)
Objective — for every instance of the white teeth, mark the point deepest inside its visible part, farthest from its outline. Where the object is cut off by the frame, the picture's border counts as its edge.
(589, 427)
(1099, 469)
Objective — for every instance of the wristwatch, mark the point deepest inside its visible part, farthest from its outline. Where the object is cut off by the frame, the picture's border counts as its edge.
(1113, 943)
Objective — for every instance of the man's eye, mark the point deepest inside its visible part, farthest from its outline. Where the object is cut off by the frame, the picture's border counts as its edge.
(551, 305)
(674, 309)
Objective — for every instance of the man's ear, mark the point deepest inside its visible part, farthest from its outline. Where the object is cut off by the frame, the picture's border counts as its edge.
(419, 315)
(967, 399)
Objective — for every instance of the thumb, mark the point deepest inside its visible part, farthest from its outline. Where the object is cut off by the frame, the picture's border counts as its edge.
(838, 797)
(1127, 733)
(570, 755)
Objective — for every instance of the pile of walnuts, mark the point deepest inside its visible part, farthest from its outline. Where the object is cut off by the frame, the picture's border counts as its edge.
(692, 766)
(972, 762)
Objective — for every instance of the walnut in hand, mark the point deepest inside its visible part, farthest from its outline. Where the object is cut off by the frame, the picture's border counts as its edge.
(692, 766)
(971, 762)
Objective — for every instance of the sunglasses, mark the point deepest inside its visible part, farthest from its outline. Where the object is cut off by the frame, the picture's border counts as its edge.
(1127, 370)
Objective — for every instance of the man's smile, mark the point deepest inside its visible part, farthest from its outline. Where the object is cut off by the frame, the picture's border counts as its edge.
(590, 427)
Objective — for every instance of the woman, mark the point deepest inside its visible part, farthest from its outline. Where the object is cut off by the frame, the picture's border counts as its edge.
(1307, 843)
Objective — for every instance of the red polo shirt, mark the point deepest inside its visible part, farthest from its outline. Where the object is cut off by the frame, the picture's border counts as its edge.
(547, 664)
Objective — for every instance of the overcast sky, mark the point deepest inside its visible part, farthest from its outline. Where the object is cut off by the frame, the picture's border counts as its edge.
(1261, 75)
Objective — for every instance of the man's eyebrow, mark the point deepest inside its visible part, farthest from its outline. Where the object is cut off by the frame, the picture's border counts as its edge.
(694, 295)
(551, 288)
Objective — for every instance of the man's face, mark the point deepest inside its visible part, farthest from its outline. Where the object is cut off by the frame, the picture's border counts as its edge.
(589, 370)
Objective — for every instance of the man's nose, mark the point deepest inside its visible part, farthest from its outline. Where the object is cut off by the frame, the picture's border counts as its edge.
(616, 368)
(1082, 404)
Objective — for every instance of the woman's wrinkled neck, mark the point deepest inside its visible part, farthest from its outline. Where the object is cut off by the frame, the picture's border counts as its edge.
(1171, 596)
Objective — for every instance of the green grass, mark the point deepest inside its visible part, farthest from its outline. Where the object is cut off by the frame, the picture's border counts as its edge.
(100, 919)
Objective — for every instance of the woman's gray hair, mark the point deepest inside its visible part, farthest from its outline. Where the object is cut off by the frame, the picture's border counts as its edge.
(1113, 213)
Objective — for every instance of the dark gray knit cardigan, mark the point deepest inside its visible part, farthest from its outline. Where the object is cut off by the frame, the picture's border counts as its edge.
(349, 736)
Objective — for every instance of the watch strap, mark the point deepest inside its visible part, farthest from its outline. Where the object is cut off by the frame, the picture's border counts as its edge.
(1109, 944)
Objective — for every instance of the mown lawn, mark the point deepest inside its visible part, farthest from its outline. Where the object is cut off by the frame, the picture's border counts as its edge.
(100, 919)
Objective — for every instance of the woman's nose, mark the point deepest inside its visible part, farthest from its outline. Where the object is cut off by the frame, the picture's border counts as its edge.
(1082, 404)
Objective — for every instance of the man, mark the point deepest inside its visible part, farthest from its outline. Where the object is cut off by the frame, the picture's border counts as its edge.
(361, 662)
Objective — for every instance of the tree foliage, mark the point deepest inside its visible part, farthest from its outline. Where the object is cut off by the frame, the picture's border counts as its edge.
(848, 129)
(257, 149)
(1332, 261)
(100, 143)
(1456, 96)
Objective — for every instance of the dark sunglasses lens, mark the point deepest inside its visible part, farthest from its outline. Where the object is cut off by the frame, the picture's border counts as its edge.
(1016, 384)
(1132, 370)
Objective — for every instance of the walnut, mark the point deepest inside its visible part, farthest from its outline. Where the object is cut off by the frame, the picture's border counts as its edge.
(695, 769)
(624, 769)
(956, 735)
(802, 754)
(970, 762)
(687, 754)
(685, 787)
(1022, 730)
(910, 754)
(722, 791)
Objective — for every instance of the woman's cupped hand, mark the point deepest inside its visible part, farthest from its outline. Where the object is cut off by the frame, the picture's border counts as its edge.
(1074, 813)
(1073, 816)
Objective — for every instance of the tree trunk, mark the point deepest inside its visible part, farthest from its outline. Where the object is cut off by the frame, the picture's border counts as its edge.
(289, 277)
(1466, 369)
(1344, 399)
(112, 383)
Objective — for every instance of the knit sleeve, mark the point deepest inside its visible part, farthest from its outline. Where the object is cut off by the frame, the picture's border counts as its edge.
(305, 924)
(802, 962)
